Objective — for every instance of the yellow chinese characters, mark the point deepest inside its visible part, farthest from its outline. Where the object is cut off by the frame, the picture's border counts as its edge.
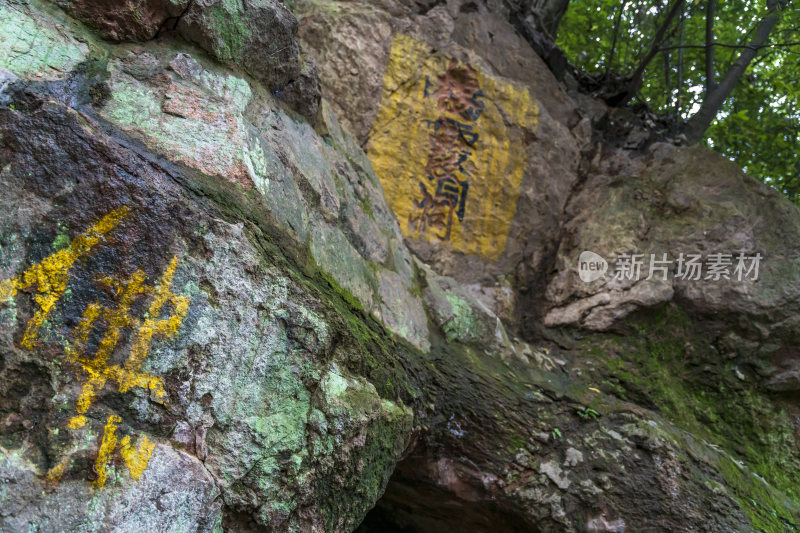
(136, 459)
(448, 144)
(129, 374)
(162, 320)
(50, 276)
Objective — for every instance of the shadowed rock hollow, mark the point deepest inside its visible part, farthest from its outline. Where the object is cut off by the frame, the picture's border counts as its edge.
(313, 266)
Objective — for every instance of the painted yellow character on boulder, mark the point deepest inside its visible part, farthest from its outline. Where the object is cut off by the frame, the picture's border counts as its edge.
(50, 278)
(135, 458)
(129, 374)
(117, 319)
(452, 142)
(51, 275)
(448, 147)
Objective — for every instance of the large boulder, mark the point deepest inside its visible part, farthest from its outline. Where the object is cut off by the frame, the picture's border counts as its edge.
(170, 238)
(130, 20)
(679, 201)
(183, 368)
(501, 178)
(466, 128)
(255, 35)
(210, 318)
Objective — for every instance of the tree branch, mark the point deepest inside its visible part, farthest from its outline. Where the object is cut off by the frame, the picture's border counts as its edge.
(697, 125)
(710, 76)
(749, 46)
(679, 97)
(541, 43)
(667, 81)
(635, 82)
(616, 33)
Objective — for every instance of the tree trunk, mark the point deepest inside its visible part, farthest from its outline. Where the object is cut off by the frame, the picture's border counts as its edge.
(667, 79)
(546, 13)
(697, 125)
(636, 78)
(616, 34)
(540, 34)
(679, 96)
(710, 81)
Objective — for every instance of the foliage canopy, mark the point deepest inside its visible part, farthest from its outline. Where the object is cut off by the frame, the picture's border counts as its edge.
(758, 123)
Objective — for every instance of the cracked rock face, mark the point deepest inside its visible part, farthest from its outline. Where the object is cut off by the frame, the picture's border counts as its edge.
(131, 20)
(236, 381)
(214, 314)
(255, 35)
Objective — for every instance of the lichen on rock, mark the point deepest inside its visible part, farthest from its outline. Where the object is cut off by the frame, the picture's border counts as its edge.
(215, 316)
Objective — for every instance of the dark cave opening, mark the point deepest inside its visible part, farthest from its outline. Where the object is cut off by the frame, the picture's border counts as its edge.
(414, 505)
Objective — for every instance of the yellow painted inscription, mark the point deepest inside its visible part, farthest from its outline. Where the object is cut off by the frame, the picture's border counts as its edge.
(135, 459)
(55, 473)
(448, 146)
(128, 375)
(162, 320)
(50, 276)
(106, 449)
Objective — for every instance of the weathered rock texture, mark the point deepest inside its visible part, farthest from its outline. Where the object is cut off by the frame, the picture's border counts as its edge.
(590, 179)
(130, 20)
(662, 203)
(218, 312)
(468, 131)
(257, 35)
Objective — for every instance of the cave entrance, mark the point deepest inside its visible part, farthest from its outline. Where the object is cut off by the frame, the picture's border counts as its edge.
(414, 503)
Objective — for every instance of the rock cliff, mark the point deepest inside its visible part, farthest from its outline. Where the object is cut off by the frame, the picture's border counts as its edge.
(314, 266)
